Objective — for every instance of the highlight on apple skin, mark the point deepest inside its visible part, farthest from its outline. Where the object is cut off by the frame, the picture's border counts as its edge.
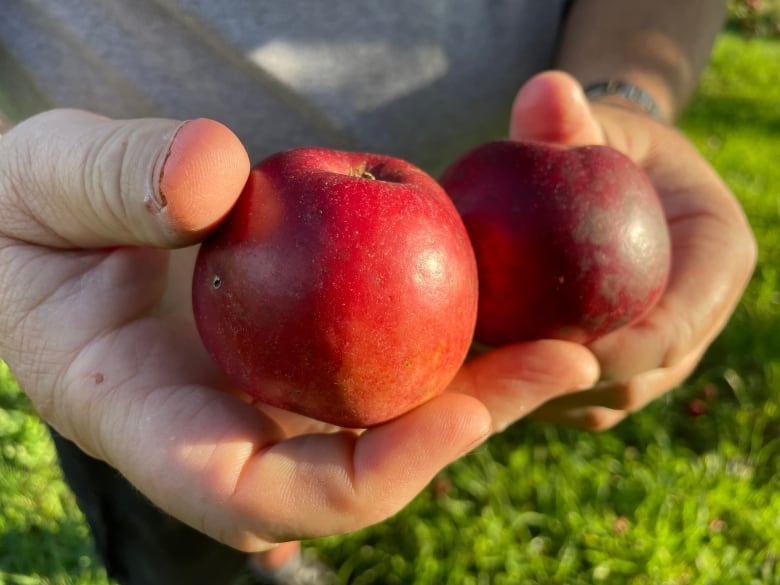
(571, 242)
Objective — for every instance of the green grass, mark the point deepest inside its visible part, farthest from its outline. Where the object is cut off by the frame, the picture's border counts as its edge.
(43, 538)
(755, 18)
(664, 498)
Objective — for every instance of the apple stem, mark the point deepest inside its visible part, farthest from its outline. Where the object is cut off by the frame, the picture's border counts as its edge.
(362, 173)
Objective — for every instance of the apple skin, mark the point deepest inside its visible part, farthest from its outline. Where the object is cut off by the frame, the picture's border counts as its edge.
(571, 243)
(342, 286)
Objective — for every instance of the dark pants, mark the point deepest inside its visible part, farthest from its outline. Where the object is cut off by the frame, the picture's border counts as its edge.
(139, 544)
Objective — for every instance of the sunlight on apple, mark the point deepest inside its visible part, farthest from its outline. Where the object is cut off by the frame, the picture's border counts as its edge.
(430, 268)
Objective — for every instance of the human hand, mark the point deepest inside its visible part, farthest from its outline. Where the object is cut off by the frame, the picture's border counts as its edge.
(713, 250)
(97, 241)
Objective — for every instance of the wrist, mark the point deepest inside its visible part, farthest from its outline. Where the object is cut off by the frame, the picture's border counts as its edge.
(625, 95)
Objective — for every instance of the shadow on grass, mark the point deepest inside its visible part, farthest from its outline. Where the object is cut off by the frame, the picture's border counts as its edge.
(764, 25)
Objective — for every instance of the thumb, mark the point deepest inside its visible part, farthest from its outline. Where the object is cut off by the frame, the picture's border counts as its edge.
(552, 107)
(69, 178)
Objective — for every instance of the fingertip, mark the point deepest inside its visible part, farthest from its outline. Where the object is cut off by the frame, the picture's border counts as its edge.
(538, 110)
(583, 370)
(204, 172)
(514, 380)
(548, 88)
(551, 106)
(468, 420)
(590, 369)
(434, 434)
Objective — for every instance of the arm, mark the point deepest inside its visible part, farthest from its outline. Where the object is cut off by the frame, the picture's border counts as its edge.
(659, 45)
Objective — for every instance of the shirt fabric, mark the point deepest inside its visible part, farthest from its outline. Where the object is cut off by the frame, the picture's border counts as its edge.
(419, 79)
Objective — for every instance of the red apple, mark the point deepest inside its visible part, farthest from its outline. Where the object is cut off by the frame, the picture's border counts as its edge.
(571, 243)
(341, 286)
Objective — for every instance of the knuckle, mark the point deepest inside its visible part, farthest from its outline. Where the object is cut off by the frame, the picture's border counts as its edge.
(749, 252)
(680, 337)
(17, 184)
(29, 154)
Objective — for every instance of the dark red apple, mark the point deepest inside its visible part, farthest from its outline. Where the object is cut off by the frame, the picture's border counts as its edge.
(341, 286)
(571, 243)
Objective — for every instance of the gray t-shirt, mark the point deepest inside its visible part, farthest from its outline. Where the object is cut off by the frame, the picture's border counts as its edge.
(420, 79)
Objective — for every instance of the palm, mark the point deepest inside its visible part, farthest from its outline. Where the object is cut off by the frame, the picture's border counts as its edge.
(152, 341)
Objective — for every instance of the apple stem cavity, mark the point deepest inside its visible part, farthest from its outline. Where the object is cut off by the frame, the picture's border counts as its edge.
(361, 172)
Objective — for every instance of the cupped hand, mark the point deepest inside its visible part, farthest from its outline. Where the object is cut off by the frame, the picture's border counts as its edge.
(98, 233)
(713, 249)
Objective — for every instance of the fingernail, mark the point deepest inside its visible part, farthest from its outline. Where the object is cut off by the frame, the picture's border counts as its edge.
(154, 198)
(201, 176)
